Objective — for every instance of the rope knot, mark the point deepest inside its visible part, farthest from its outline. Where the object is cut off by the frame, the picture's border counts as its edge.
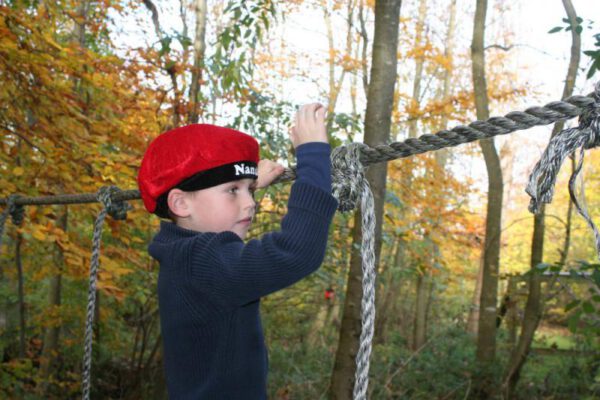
(347, 174)
(16, 211)
(590, 118)
(585, 136)
(116, 209)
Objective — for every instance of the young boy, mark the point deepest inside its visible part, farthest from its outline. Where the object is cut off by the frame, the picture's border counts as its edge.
(210, 282)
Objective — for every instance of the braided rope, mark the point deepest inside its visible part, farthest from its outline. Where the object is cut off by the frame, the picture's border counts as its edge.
(117, 210)
(513, 121)
(349, 183)
(543, 177)
(478, 130)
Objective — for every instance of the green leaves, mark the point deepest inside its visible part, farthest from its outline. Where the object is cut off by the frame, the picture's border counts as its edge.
(568, 27)
(248, 20)
(595, 56)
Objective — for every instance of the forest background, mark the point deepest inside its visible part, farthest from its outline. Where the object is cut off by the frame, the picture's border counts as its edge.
(85, 85)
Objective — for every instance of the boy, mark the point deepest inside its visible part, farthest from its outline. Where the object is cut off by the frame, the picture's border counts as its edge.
(210, 282)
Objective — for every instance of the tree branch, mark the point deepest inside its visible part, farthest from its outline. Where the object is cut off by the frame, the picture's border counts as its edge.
(152, 8)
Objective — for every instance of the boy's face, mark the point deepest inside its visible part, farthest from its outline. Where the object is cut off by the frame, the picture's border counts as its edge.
(226, 207)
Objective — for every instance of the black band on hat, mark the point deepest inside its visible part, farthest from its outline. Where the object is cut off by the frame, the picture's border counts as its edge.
(209, 178)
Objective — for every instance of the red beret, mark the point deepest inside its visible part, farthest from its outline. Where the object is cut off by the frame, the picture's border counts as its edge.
(194, 157)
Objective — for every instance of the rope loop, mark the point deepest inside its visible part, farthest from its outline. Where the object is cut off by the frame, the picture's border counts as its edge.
(543, 178)
(116, 209)
(347, 174)
(585, 136)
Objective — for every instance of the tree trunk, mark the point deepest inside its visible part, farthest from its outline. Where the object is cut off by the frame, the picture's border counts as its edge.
(19, 266)
(18, 243)
(533, 312)
(534, 308)
(336, 86)
(473, 319)
(486, 340)
(377, 127)
(442, 155)
(200, 10)
(391, 291)
(511, 314)
(419, 61)
(422, 292)
(51, 337)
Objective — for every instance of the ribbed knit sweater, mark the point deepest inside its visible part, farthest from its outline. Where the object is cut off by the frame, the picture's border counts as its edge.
(210, 285)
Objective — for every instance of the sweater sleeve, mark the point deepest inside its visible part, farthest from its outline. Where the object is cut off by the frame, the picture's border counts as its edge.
(314, 164)
(236, 273)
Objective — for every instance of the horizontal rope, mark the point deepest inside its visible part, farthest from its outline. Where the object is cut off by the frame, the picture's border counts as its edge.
(511, 122)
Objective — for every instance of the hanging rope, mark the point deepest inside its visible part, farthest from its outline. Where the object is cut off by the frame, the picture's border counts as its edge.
(16, 212)
(349, 184)
(117, 210)
(543, 178)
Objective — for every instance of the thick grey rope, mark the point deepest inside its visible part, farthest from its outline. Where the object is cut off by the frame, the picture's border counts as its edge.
(543, 178)
(117, 210)
(511, 122)
(349, 183)
(516, 120)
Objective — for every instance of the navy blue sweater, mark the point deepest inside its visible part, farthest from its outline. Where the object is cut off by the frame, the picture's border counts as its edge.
(210, 285)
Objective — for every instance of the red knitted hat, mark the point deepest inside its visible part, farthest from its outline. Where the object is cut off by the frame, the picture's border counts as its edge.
(194, 157)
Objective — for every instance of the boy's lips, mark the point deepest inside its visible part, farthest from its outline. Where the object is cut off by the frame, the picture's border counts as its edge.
(245, 221)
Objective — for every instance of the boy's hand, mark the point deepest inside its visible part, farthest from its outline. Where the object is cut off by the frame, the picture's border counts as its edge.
(267, 171)
(310, 125)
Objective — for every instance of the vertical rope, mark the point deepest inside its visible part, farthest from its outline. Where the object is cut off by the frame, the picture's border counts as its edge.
(12, 209)
(368, 298)
(349, 183)
(117, 211)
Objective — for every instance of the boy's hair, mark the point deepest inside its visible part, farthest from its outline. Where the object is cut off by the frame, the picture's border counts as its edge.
(194, 157)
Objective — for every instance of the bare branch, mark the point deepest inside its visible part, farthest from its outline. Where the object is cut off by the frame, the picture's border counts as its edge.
(152, 8)
(498, 46)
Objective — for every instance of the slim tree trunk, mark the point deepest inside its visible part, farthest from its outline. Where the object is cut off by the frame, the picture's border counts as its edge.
(200, 10)
(533, 312)
(335, 86)
(419, 61)
(473, 319)
(442, 155)
(50, 349)
(511, 314)
(420, 309)
(534, 308)
(391, 292)
(19, 266)
(486, 340)
(18, 243)
(377, 127)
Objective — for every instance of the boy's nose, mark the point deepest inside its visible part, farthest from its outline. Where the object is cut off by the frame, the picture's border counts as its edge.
(250, 202)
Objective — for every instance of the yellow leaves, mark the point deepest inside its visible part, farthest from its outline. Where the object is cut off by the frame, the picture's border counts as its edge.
(18, 171)
(39, 235)
(110, 272)
(267, 204)
(44, 233)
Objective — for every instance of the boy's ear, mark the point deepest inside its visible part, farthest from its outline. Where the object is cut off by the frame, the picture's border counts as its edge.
(176, 200)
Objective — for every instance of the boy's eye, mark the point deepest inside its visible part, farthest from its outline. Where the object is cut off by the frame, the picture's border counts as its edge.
(233, 190)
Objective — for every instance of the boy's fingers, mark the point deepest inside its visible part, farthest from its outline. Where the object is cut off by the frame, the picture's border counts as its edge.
(320, 112)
